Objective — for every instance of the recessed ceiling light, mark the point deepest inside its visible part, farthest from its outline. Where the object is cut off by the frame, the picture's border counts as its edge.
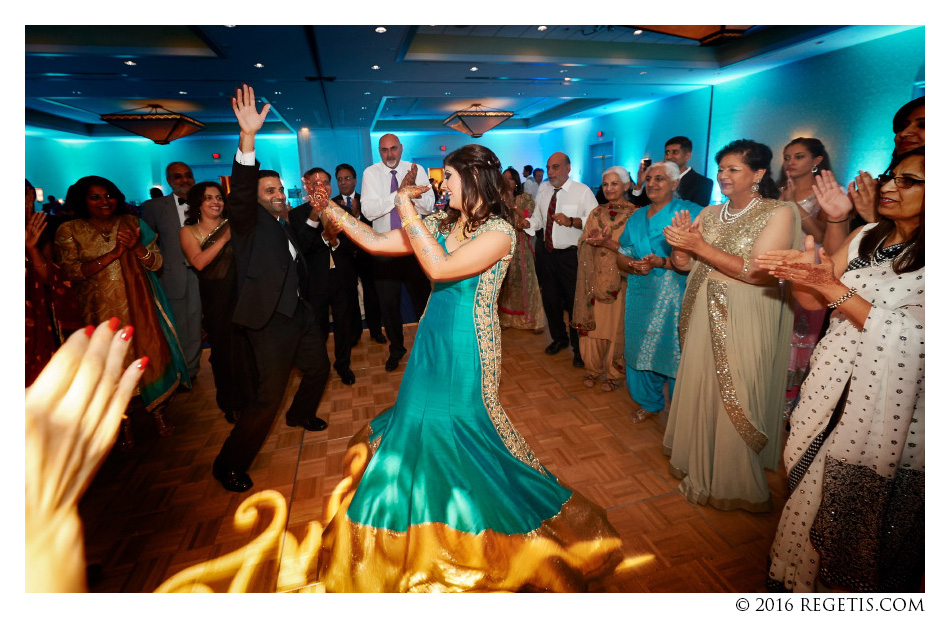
(563, 70)
(289, 108)
(473, 69)
(375, 67)
(259, 65)
(182, 92)
(230, 26)
(643, 72)
(367, 93)
(364, 107)
(130, 63)
(380, 30)
(298, 120)
(278, 92)
(447, 92)
(542, 28)
(638, 31)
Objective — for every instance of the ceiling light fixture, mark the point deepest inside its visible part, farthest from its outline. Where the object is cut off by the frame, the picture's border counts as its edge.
(259, 65)
(160, 125)
(375, 67)
(542, 28)
(182, 92)
(477, 119)
(367, 93)
(130, 63)
(381, 30)
(473, 69)
(638, 32)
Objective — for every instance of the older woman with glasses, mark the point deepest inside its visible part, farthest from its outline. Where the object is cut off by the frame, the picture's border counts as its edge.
(654, 293)
(855, 454)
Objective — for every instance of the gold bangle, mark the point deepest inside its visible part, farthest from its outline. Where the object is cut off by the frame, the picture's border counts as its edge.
(409, 220)
(345, 217)
(148, 254)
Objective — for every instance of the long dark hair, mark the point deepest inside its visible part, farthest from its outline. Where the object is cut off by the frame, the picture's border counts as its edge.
(912, 257)
(815, 148)
(758, 157)
(76, 196)
(196, 196)
(519, 186)
(484, 191)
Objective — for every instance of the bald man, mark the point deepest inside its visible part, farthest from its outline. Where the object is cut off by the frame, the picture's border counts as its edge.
(381, 181)
(556, 223)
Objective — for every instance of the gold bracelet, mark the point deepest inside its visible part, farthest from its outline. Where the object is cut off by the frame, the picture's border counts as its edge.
(345, 218)
(835, 303)
(409, 220)
(148, 254)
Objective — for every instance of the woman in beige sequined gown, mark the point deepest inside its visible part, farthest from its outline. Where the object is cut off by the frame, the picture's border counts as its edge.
(725, 418)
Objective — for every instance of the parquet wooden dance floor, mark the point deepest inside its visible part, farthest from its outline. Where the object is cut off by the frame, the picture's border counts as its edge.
(154, 511)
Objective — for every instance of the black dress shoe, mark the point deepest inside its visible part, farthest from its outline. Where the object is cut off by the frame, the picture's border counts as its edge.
(232, 480)
(578, 361)
(314, 423)
(393, 361)
(555, 347)
(347, 376)
(379, 338)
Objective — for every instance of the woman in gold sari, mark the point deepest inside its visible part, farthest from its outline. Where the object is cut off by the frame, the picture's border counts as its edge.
(519, 303)
(599, 299)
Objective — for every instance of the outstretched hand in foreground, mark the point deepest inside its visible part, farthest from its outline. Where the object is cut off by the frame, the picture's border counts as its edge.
(73, 411)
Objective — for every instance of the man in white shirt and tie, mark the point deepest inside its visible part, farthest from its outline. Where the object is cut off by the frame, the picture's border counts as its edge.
(381, 181)
(562, 206)
(166, 215)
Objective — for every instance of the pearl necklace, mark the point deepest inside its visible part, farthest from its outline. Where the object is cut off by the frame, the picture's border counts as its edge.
(727, 217)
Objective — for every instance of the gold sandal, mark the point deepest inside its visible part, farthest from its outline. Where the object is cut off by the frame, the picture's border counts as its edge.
(609, 385)
(589, 381)
(640, 416)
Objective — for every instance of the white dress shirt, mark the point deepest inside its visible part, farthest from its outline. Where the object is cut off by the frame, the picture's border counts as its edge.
(377, 200)
(573, 200)
(531, 187)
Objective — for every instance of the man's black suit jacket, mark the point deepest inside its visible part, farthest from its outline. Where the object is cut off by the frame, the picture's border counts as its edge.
(692, 187)
(317, 253)
(261, 253)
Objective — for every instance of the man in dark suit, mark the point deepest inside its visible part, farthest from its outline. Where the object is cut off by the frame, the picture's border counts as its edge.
(278, 322)
(332, 284)
(166, 215)
(349, 200)
(692, 187)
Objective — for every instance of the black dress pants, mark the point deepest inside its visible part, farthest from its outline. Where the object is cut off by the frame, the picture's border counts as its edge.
(391, 274)
(280, 345)
(374, 321)
(557, 276)
(340, 296)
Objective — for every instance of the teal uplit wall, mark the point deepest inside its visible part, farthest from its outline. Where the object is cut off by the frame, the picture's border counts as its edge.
(845, 98)
(55, 160)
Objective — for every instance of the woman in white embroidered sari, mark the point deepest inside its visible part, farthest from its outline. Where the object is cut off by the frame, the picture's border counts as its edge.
(855, 455)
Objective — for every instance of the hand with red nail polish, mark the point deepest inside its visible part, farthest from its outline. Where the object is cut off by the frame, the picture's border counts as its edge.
(73, 411)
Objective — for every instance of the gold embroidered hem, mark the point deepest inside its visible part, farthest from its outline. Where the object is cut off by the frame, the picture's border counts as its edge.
(563, 554)
(703, 498)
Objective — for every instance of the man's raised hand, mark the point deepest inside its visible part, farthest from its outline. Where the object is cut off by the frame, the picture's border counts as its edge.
(245, 110)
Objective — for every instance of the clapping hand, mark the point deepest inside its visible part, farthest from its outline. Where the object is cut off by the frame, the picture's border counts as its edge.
(35, 225)
(833, 201)
(682, 233)
(598, 237)
(411, 191)
(865, 192)
(245, 110)
(410, 178)
(799, 266)
(73, 411)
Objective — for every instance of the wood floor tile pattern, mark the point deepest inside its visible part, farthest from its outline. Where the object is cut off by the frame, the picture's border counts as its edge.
(156, 510)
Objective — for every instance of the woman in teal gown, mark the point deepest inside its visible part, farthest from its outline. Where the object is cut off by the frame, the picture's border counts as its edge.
(442, 493)
(654, 293)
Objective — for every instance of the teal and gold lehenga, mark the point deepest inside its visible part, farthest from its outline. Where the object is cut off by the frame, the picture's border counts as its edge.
(443, 493)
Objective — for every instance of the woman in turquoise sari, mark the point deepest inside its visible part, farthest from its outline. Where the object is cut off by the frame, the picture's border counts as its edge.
(111, 258)
(441, 492)
(654, 293)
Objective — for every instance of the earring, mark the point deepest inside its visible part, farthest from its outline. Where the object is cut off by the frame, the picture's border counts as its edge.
(814, 170)
(755, 188)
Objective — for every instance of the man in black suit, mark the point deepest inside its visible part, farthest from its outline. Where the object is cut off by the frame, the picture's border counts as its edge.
(349, 200)
(279, 324)
(692, 187)
(332, 282)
